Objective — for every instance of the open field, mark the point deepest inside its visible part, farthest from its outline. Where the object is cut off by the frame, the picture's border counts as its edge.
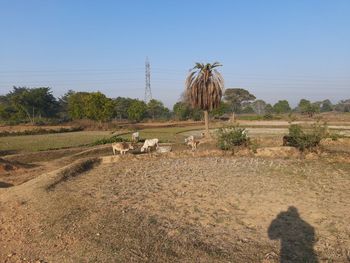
(80, 204)
(30, 143)
(44, 142)
(174, 209)
(171, 132)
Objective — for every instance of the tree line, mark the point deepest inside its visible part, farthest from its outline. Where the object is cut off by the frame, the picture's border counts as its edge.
(24, 104)
(241, 101)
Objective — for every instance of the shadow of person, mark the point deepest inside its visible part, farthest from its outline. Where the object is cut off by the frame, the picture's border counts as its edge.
(297, 237)
(5, 185)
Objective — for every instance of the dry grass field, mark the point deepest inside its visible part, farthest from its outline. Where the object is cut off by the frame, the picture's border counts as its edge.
(179, 209)
(81, 204)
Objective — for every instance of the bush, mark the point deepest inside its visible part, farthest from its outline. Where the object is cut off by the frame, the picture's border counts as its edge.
(112, 139)
(230, 137)
(254, 145)
(305, 139)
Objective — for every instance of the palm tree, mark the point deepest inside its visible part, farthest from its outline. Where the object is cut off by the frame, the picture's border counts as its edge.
(204, 88)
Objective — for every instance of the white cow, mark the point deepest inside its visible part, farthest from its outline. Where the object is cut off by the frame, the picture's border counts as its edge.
(149, 144)
(121, 147)
(135, 137)
(189, 138)
(192, 142)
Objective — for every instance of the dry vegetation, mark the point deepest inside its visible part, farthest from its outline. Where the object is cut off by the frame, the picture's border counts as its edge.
(83, 205)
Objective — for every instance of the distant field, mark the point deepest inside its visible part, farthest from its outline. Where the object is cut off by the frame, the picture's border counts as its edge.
(50, 141)
(256, 129)
(32, 143)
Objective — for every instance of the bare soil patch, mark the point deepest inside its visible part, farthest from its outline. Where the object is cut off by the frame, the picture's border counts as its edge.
(160, 208)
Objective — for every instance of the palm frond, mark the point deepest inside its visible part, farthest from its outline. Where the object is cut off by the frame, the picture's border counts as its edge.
(204, 86)
(215, 65)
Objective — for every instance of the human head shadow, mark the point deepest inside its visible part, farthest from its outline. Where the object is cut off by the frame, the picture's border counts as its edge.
(296, 235)
(5, 185)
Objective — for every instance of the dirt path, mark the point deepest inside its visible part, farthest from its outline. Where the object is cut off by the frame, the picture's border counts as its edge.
(197, 209)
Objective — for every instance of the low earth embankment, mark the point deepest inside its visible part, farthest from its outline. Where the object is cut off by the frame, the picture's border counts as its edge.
(180, 209)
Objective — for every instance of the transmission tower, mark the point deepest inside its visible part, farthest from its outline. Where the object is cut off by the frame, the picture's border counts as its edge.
(148, 91)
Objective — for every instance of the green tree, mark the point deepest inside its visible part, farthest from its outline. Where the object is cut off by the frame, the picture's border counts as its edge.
(98, 107)
(306, 107)
(121, 106)
(247, 109)
(137, 110)
(181, 111)
(33, 103)
(156, 110)
(259, 107)
(343, 106)
(63, 105)
(326, 106)
(204, 86)
(282, 106)
(268, 109)
(7, 112)
(221, 110)
(303, 105)
(77, 104)
(196, 114)
(236, 97)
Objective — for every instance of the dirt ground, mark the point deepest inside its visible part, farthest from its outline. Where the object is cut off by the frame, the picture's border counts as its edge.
(81, 204)
(179, 208)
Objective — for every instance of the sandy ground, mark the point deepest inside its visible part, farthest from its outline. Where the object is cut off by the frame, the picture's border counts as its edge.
(181, 209)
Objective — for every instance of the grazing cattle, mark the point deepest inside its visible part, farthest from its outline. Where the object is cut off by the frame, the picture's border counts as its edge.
(149, 144)
(135, 137)
(192, 142)
(121, 147)
(190, 138)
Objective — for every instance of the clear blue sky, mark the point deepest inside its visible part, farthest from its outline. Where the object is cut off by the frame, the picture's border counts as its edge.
(276, 49)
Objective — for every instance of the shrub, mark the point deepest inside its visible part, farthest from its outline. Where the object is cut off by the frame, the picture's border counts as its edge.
(232, 136)
(112, 139)
(254, 145)
(305, 139)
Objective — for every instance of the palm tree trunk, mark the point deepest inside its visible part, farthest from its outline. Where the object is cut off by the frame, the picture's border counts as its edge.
(206, 120)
